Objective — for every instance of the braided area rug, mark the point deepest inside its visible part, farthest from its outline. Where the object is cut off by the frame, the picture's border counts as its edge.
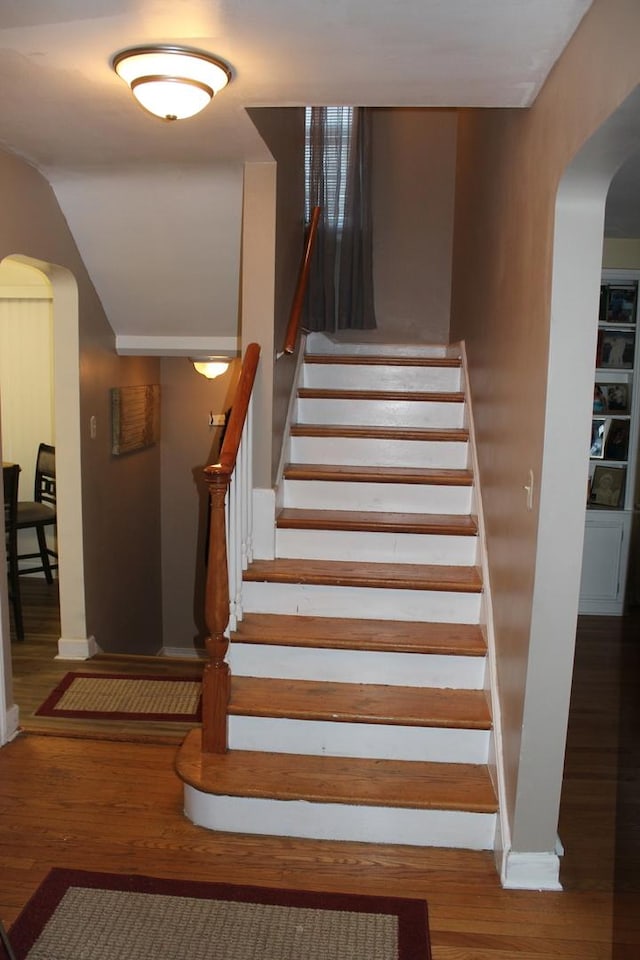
(78, 915)
(94, 696)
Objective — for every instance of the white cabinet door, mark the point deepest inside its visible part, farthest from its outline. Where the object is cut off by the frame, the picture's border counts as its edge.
(604, 562)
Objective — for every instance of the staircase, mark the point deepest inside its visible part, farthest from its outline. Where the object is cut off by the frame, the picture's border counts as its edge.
(358, 709)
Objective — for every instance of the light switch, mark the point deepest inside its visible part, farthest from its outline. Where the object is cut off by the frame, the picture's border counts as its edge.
(93, 427)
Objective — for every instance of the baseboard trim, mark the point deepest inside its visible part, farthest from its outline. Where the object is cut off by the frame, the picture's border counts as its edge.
(11, 724)
(77, 649)
(531, 871)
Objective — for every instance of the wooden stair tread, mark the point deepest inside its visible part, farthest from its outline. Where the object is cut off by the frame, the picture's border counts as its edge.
(319, 393)
(359, 703)
(382, 361)
(341, 633)
(325, 779)
(377, 521)
(452, 434)
(372, 474)
(407, 576)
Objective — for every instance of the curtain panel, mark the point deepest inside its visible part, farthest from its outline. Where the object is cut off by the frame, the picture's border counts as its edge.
(340, 294)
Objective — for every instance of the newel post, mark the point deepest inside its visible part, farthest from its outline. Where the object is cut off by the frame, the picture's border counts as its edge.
(216, 680)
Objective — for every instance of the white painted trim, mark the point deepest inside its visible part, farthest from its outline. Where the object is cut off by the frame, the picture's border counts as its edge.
(338, 821)
(77, 649)
(138, 346)
(496, 755)
(9, 724)
(531, 871)
(356, 666)
(264, 524)
(376, 741)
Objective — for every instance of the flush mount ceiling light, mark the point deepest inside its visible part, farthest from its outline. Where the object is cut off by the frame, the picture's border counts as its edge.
(171, 82)
(211, 367)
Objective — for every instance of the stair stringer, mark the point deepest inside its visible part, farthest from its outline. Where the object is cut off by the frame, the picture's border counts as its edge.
(539, 871)
(267, 502)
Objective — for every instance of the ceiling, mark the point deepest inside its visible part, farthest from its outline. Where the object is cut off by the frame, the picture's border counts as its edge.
(62, 105)
(65, 110)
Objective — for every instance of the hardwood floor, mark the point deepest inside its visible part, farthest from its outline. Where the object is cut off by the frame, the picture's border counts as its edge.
(117, 806)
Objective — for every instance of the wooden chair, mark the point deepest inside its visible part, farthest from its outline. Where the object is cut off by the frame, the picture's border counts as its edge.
(10, 477)
(40, 513)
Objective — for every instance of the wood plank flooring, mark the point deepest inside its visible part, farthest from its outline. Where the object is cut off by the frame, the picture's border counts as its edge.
(118, 807)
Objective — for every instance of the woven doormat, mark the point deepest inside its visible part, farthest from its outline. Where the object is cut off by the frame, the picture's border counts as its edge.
(99, 916)
(103, 696)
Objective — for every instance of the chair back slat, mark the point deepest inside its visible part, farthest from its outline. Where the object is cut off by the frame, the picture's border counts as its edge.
(45, 480)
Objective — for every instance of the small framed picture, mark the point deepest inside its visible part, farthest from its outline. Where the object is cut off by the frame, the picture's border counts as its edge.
(599, 429)
(616, 349)
(617, 441)
(604, 299)
(607, 487)
(600, 404)
(621, 303)
(617, 397)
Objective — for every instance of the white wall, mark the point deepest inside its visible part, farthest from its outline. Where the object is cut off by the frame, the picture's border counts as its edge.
(162, 246)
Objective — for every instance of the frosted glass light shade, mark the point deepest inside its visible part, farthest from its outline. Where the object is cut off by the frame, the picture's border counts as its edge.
(172, 83)
(211, 368)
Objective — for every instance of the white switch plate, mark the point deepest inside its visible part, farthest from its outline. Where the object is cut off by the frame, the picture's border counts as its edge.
(216, 419)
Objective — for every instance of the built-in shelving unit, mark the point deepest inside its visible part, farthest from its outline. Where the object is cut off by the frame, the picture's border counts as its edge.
(613, 451)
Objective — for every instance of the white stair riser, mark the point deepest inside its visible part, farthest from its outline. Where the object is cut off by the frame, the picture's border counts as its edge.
(356, 666)
(387, 413)
(357, 602)
(342, 376)
(387, 497)
(323, 344)
(368, 451)
(366, 546)
(366, 740)
(337, 821)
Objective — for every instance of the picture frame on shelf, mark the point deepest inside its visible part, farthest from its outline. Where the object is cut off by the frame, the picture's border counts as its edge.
(616, 445)
(616, 349)
(621, 303)
(604, 299)
(599, 429)
(618, 397)
(599, 399)
(607, 487)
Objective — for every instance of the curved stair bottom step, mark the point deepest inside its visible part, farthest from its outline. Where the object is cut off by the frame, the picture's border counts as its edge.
(338, 821)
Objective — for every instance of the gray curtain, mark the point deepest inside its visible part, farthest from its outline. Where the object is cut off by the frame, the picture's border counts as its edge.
(340, 294)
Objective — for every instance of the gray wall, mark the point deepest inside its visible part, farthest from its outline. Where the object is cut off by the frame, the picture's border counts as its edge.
(188, 445)
(413, 171)
(283, 132)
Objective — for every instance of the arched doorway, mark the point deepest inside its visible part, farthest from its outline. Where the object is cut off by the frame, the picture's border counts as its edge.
(66, 391)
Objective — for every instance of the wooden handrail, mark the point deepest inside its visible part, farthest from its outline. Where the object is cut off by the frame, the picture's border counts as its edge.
(216, 679)
(303, 281)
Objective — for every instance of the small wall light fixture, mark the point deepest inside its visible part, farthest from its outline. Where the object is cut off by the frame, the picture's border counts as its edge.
(211, 367)
(171, 82)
